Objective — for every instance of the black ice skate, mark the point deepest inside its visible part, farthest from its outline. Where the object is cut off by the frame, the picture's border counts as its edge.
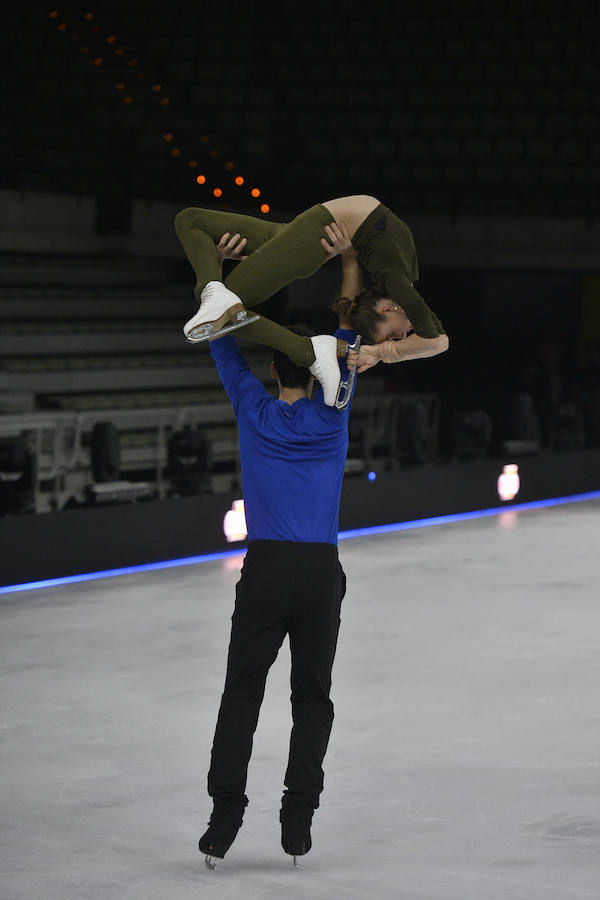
(216, 842)
(295, 839)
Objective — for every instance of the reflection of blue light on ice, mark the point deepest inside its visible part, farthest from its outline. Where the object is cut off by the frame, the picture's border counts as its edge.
(372, 476)
(343, 535)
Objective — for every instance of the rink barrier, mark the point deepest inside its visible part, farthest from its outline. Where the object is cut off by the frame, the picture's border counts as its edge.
(343, 535)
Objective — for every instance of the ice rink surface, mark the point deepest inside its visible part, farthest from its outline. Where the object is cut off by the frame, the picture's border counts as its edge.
(464, 762)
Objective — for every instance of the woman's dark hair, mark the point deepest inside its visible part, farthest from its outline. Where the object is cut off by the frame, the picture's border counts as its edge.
(362, 313)
(291, 375)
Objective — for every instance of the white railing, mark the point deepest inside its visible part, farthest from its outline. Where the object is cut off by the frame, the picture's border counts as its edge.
(58, 441)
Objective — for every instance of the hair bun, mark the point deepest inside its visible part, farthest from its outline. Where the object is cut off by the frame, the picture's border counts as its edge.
(345, 306)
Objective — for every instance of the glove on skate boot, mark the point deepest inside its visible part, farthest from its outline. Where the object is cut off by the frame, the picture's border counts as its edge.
(325, 367)
(216, 842)
(221, 311)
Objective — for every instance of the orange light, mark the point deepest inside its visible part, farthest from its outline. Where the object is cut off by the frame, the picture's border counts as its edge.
(83, 50)
(193, 164)
(255, 192)
(121, 86)
(218, 192)
(127, 100)
(167, 138)
(201, 179)
(214, 153)
(175, 152)
(157, 88)
(265, 208)
(54, 14)
(111, 39)
(239, 180)
(132, 63)
(88, 16)
(98, 61)
(165, 101)
(62, 27)
(119, 52)
(204, 139)
(229, 166)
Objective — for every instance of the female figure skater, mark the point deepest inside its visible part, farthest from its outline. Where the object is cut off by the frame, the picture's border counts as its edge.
(277, 254)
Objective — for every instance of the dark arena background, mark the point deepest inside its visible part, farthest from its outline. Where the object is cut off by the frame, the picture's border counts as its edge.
(476, 122)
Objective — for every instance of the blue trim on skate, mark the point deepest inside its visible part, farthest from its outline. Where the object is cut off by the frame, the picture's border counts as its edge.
(343, 535)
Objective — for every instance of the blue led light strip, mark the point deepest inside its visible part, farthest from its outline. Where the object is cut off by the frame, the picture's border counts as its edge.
(462, 517)
(343, 535)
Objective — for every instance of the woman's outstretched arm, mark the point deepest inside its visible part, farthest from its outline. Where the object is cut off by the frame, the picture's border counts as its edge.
(411, 347)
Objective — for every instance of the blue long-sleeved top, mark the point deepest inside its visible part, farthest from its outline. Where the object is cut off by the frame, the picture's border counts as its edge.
(292, 456)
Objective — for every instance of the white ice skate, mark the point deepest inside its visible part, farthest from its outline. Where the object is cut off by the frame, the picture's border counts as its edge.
(326, 370)
(221, 311)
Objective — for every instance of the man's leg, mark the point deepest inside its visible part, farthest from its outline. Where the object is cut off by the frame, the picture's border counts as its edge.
(257, 632)
(313, 640)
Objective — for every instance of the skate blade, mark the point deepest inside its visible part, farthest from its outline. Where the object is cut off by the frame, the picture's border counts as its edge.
(209, 330)
(295, 863)
(344, 391)
(211, 862)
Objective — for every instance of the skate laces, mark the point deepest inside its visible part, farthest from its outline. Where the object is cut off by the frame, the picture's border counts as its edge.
(209, 293)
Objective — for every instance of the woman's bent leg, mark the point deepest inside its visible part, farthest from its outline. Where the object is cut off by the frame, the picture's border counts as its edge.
(277, 255)
(295, 251)
(200, 230)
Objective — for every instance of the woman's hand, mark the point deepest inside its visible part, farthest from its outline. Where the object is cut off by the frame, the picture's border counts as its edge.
(231, 249)
(340, 241)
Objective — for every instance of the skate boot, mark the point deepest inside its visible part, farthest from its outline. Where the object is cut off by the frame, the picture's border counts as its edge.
(216, 842)
(295, 839)
(325, 367)
(221, 311)
(296, 818)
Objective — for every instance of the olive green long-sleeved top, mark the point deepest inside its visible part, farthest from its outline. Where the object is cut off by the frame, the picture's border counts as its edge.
(386, 250)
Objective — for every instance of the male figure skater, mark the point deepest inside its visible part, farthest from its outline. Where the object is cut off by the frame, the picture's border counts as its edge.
(292, 452)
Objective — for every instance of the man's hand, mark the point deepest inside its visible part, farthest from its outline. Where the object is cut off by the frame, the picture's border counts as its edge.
(352, 359)
(367, 357)
(340, 241)
(231, 249)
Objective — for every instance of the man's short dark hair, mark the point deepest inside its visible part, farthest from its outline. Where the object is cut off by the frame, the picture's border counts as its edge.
(291, 375)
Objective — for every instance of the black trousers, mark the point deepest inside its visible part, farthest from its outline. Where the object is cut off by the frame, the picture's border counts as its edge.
(286, 587)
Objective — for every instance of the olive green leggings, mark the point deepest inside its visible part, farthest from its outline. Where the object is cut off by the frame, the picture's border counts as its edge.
(277, 255)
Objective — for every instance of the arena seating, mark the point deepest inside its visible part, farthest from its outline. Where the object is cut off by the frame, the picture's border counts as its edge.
(490, 109)
(89, 340)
